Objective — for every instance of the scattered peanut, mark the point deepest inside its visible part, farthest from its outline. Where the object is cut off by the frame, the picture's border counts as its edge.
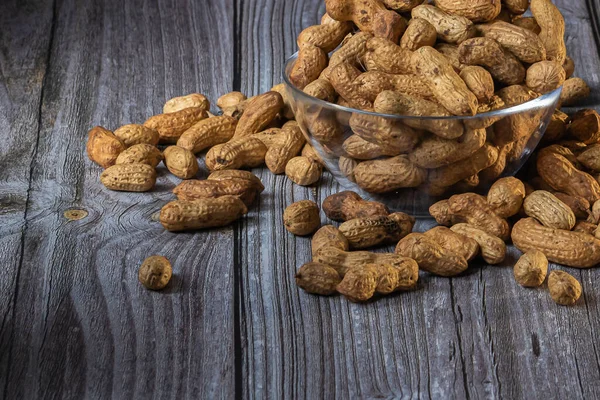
(181, 162)
(506, 196)
(344, 206)
(318, 278)
(531, 269)
(103, 147)
(328, 236)
(140, 153)
(302, 218)
(549, 210)
(430, 256)
(372, 231)
(133, 134)
(303, 171)
(493, 249)
(155, 272)
(573, 249)
(181, 215)
(170, 126)
(188, 101)
(136, 177)
(564, 288)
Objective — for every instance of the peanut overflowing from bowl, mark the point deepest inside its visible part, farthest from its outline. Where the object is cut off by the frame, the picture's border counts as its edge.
(452, 59)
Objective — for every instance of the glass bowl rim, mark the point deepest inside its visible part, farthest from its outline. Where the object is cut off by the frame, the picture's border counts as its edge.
(543, 101)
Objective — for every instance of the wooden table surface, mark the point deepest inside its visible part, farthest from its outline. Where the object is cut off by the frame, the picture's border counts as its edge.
(74, 320)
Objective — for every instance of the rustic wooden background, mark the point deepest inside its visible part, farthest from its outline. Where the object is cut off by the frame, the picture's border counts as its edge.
(75, 322)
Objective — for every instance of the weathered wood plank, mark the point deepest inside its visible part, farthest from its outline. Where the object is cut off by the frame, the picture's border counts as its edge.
(83, 326)
(24, 51)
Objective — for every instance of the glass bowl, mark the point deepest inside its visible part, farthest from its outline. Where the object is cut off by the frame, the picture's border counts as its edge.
(386, 172)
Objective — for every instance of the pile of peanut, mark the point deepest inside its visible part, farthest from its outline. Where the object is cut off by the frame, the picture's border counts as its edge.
(450, 58)
(391, 66)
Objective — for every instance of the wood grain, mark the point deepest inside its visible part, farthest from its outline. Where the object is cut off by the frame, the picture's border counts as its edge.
(24, 51)
(77, 324)
(83, 326)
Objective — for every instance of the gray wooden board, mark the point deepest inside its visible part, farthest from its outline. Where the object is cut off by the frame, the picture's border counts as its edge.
(83, 327)
(75, 321)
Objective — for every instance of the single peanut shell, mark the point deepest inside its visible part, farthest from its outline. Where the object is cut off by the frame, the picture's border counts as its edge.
(545, 76)
(454, 242)
(450, 28)
(585, 126)
(326, 36)
(279, 154)
(181, 162)
(311, 61)
(386, 56)
(359, 283)
(188, 101)
(493, 249)
(573, 249)
(574, 90)
(447, 86)
(517, 7)
(303, 171)
(531, 269)
(207, 133)
(328, 236)
(474, 10)
(391, 102)
(552, 25)
(170, 126)
(230, 99)
(181, 215)
(386, 175)
(103, 147)
(367, 232)
(393, 135)
(227, 174)
(488, 53)
(585, 227)
(318, 279)
(133, 134)
(453, 173)
(258, 113)
(521, 42)
(561, 175)
(506, 196)
(435, 152)
(302, 218)
(577, 204)
(549, 210)
(419, 33)
(564, 288)
(430, 256)
(193, 189)
(479, 81)
(155, 272)
(475, 210)
(321, 89)
(347, 205)
(242, 152)
(347, 166)
(140, 153)
(528, 23)
(136, 177)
